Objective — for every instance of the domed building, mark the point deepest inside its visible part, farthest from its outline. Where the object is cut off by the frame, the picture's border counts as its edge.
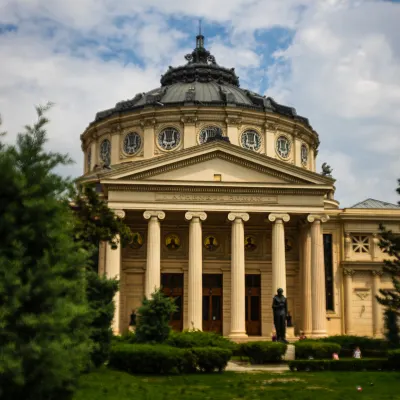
(220, 187)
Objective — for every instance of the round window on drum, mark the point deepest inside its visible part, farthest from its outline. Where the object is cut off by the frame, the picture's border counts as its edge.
(105, 151)
(209, 132)
(304, 154)
(283, 147)
(132, 143)
(251, 140)
(169, 138)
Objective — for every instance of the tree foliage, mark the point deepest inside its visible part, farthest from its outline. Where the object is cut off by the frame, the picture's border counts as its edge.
(154, 317)
(96, 222)
(44, 317)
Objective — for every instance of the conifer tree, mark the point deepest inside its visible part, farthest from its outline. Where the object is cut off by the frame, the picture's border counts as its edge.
(96, 222)
(44, 316)
(390, 298)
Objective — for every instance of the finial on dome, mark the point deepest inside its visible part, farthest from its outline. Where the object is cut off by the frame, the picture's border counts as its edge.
(199, 38)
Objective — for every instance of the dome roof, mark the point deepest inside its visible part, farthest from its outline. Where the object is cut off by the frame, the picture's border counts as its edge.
(202, 82)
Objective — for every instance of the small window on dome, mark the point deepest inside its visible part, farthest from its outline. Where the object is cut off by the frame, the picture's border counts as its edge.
(208, 132)
(169, 138)
(132, 143)
(304, 154)
(105, 151)
(283, 146)
(251, 140)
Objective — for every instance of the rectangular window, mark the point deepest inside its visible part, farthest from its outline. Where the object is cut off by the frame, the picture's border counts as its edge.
(328, 261)
(217, 177)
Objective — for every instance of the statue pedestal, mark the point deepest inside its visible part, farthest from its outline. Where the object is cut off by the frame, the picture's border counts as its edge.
(290, 333)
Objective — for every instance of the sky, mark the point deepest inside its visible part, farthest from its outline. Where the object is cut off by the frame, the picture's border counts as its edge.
(336, 61)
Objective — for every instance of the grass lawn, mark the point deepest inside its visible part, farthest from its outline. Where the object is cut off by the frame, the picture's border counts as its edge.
(106, 384)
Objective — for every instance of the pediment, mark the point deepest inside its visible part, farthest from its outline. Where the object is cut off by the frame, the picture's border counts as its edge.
(204, 163)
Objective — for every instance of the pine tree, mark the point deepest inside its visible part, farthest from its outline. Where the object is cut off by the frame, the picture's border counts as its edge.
(154, 317)
(390, 298)
(44, 316)
(96, 222)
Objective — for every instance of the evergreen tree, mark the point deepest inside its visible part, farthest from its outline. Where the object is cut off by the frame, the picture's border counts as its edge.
(44, 316)
(154, 317)
(95, 223)
(390, 298)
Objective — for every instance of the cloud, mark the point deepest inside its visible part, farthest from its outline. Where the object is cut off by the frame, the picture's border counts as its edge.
(336, 61)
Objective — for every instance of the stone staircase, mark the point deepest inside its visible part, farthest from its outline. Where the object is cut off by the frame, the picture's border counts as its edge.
(290, 353)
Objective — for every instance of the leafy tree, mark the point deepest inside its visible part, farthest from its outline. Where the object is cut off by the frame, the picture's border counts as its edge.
(95, 222)
(154, 317)
(44, 315)
(390, 298)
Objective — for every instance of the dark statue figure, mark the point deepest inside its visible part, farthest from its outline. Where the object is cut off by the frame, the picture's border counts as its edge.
(279, 307)
(326, 170)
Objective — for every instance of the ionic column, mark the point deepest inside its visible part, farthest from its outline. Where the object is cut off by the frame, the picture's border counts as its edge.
(377, 317)
(318, 276)
(306, 281)
(195, 273)
(348, 300)
(153, 269)
(238, 316)
(278, 252)
(113, 270)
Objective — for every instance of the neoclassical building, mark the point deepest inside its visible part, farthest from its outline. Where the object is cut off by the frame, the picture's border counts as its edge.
(220, 187)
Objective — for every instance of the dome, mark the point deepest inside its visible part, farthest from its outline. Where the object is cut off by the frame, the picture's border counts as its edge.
(201, 82)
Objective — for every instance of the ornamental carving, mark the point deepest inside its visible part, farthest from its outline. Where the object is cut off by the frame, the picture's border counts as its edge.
(154, 214)
(348, 272)
(233, 121)
(243, 216)
(377, 273)
(362, 293)
(196, 214)
(120, 213)
(211, 243)
(137, 241)
(172, 241)
(315, 217)
(189, 119)
(148, 122)
(279, 217)
(250, 243)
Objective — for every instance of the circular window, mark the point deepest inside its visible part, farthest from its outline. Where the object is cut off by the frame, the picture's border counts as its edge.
(132, 143)
(283, 146)
(208, 132)
(251, 140)
(304, 154)
(105, 151)
(169, 138)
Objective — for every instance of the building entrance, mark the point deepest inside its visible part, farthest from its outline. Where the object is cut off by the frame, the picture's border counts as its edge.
(212, 303)
(172, 286)
(253, 305)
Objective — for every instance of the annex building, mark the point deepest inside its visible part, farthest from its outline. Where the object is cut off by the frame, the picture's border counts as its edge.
(220, 187)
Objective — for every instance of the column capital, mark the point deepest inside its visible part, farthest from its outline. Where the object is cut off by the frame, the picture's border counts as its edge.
(196, 214)
(279, 217)
(348, 272)
(152, 213)
(376, 272)
(119, 213)
(238, 215)
(317, 217)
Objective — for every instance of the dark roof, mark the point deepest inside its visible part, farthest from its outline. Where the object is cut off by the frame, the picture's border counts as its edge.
(372, 203)
(201, 81)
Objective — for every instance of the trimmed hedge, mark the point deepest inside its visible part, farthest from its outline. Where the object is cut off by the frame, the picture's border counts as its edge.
(318, 350)
(394, 358)
(162, 359)
(190, 339)
(263, 352)
(340, 365)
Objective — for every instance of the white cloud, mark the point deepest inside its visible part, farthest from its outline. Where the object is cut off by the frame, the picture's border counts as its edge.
(342, 69)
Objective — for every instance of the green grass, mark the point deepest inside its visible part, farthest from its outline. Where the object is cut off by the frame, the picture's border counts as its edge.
(106, 384)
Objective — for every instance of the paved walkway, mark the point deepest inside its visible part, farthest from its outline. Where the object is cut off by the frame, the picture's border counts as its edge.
(238, 366)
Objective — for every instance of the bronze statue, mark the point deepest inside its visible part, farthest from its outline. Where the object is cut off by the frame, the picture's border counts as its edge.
(279, 307)
(326, 170)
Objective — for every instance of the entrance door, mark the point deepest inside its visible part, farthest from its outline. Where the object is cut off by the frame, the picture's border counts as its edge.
(253, 305)
(212, 303)
(172, 286)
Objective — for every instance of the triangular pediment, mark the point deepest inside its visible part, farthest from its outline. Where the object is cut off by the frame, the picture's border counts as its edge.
(206, 162)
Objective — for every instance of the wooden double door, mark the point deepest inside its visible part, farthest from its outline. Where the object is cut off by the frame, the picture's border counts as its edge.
(212, 303)
(172, 286)
(253, 304)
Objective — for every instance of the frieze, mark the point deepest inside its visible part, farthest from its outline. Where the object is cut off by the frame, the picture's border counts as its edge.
(205, 198)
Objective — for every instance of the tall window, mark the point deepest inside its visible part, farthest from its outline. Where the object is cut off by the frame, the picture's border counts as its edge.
(328, 272)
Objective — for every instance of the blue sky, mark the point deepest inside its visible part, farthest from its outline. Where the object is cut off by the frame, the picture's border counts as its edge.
(336, 61)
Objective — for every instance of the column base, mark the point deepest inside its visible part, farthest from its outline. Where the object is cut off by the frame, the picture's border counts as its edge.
(238, 335)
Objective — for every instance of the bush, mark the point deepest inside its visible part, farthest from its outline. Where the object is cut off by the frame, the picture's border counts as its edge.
(150, 359)
(319, 350)
(394, 358)
(190, 339)
(162, 359)
(340, 365)
(128, 337)
(263, 352)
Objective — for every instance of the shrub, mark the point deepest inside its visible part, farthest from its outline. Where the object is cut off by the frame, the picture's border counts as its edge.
(319, 350)
(394, 358)
(190, 339)
(128, 337)
(263, 352)
(209, 359)
(150, 359)
(162, 359)
(154, 317)
(340, 365)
